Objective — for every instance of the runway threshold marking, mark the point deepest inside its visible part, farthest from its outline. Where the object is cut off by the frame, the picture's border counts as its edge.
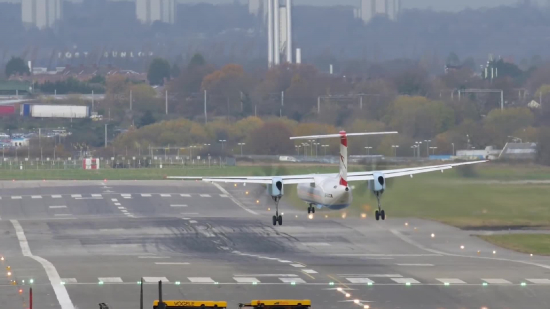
(496, 281)
(55, 280)
(155, 279)
(539, 281)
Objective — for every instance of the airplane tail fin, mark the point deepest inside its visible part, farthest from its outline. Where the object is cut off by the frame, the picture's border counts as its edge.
(343, 148)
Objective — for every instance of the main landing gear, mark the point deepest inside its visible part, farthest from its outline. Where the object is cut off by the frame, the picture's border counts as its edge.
(311, 209)
(379, 214)
(277, 218)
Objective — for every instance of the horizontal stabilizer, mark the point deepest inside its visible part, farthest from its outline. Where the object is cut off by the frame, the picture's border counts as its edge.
(340, 135)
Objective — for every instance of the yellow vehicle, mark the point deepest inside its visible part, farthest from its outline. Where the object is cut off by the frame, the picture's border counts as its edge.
(278, 304)
(188, 304)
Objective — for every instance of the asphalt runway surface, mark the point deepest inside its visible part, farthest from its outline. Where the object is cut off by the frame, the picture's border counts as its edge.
(88, 242)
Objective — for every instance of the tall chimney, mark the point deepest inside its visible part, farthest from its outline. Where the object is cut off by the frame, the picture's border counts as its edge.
(277, 36)
(269, 33)
(289, 31)
(298, 55)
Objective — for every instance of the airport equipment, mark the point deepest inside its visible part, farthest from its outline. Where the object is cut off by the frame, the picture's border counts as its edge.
(278, 304)
(188, 304)
(55, 111)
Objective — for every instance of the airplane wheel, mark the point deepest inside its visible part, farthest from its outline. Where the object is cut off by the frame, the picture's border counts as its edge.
(280, 220)
(377, 215)
(309, 210)
(274, 220)
(313, 209)
(383, 215)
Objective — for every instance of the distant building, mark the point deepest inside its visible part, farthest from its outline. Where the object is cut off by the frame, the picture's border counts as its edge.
(149, 11)
(370, 8)
(41, 13)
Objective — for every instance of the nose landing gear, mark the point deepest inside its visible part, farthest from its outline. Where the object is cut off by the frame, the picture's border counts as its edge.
(380, 213)
(277, 218)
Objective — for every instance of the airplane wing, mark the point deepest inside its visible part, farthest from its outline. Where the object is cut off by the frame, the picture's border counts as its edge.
(357, 176)
(289, 179)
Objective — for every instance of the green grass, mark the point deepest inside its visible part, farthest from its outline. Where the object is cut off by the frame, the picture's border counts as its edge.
(538, 244)
(454, 200)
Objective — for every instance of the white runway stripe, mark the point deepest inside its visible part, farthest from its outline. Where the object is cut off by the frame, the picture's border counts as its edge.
(68, 280)
(185, 195)
(290, 280)
(114, 200)
(404, 280)
(496, 281)
(371, 275)
(96, 195)
(36, 196)
(62, 215)
(539, 281)
(205, 195)
(200, 279)
(56, 196)
(171, 263)
(117, 204)
(76, 195)
(57, 207)
(178, 205)
(450, 280)
(246, 279)
(165, 195)
(155, 279)
(153, 257)
(297, 265)
(419, 265)
(110, 279)
(146, 195)
(309, 271)
(15, 197)
(360, 280)
(223, 195)
(126, 195)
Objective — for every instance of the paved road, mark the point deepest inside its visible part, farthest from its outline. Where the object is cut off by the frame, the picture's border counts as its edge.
(89, 242)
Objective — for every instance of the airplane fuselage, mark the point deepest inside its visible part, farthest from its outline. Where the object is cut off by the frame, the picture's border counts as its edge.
(326, 192)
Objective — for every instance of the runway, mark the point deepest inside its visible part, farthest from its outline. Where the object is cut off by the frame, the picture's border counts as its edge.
(89, 242)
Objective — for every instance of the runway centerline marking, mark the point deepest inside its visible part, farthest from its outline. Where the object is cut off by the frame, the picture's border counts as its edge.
(56, 207)
(539, 281)
(56, 196)
(178, 205)
(36, 196)
(292, 280)
(419, 265)
(360, 280)
(171, 263)
(16, 197)
(76, 195)
(55, 280)
(267, 275)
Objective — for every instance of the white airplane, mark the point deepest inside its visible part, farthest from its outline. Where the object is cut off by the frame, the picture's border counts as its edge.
(329, 190)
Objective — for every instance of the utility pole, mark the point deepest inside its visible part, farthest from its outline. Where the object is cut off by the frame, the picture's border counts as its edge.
(141, 294)
(130, 99)
(106, 135)
(205, 115)
(92, 101)
(166, 95)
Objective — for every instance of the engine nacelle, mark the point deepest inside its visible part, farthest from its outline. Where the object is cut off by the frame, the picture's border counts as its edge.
(275, 189)
(378, 184)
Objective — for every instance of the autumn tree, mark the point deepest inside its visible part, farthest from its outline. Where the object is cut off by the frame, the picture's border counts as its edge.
(501, 124)
(159, 70)
(272, 138)
(225, 87)
(16, 65)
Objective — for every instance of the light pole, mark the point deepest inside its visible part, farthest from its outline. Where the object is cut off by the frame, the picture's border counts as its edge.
(414, 150)
(453, 144)
(433, 150)
(418, 148)
(191, 151)
(316, 144)
(305, 148)
(221, 141)
(368, 150)
(297, 149)
(427, 146)
(325, 146)
(395, 149)
(241, 144)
